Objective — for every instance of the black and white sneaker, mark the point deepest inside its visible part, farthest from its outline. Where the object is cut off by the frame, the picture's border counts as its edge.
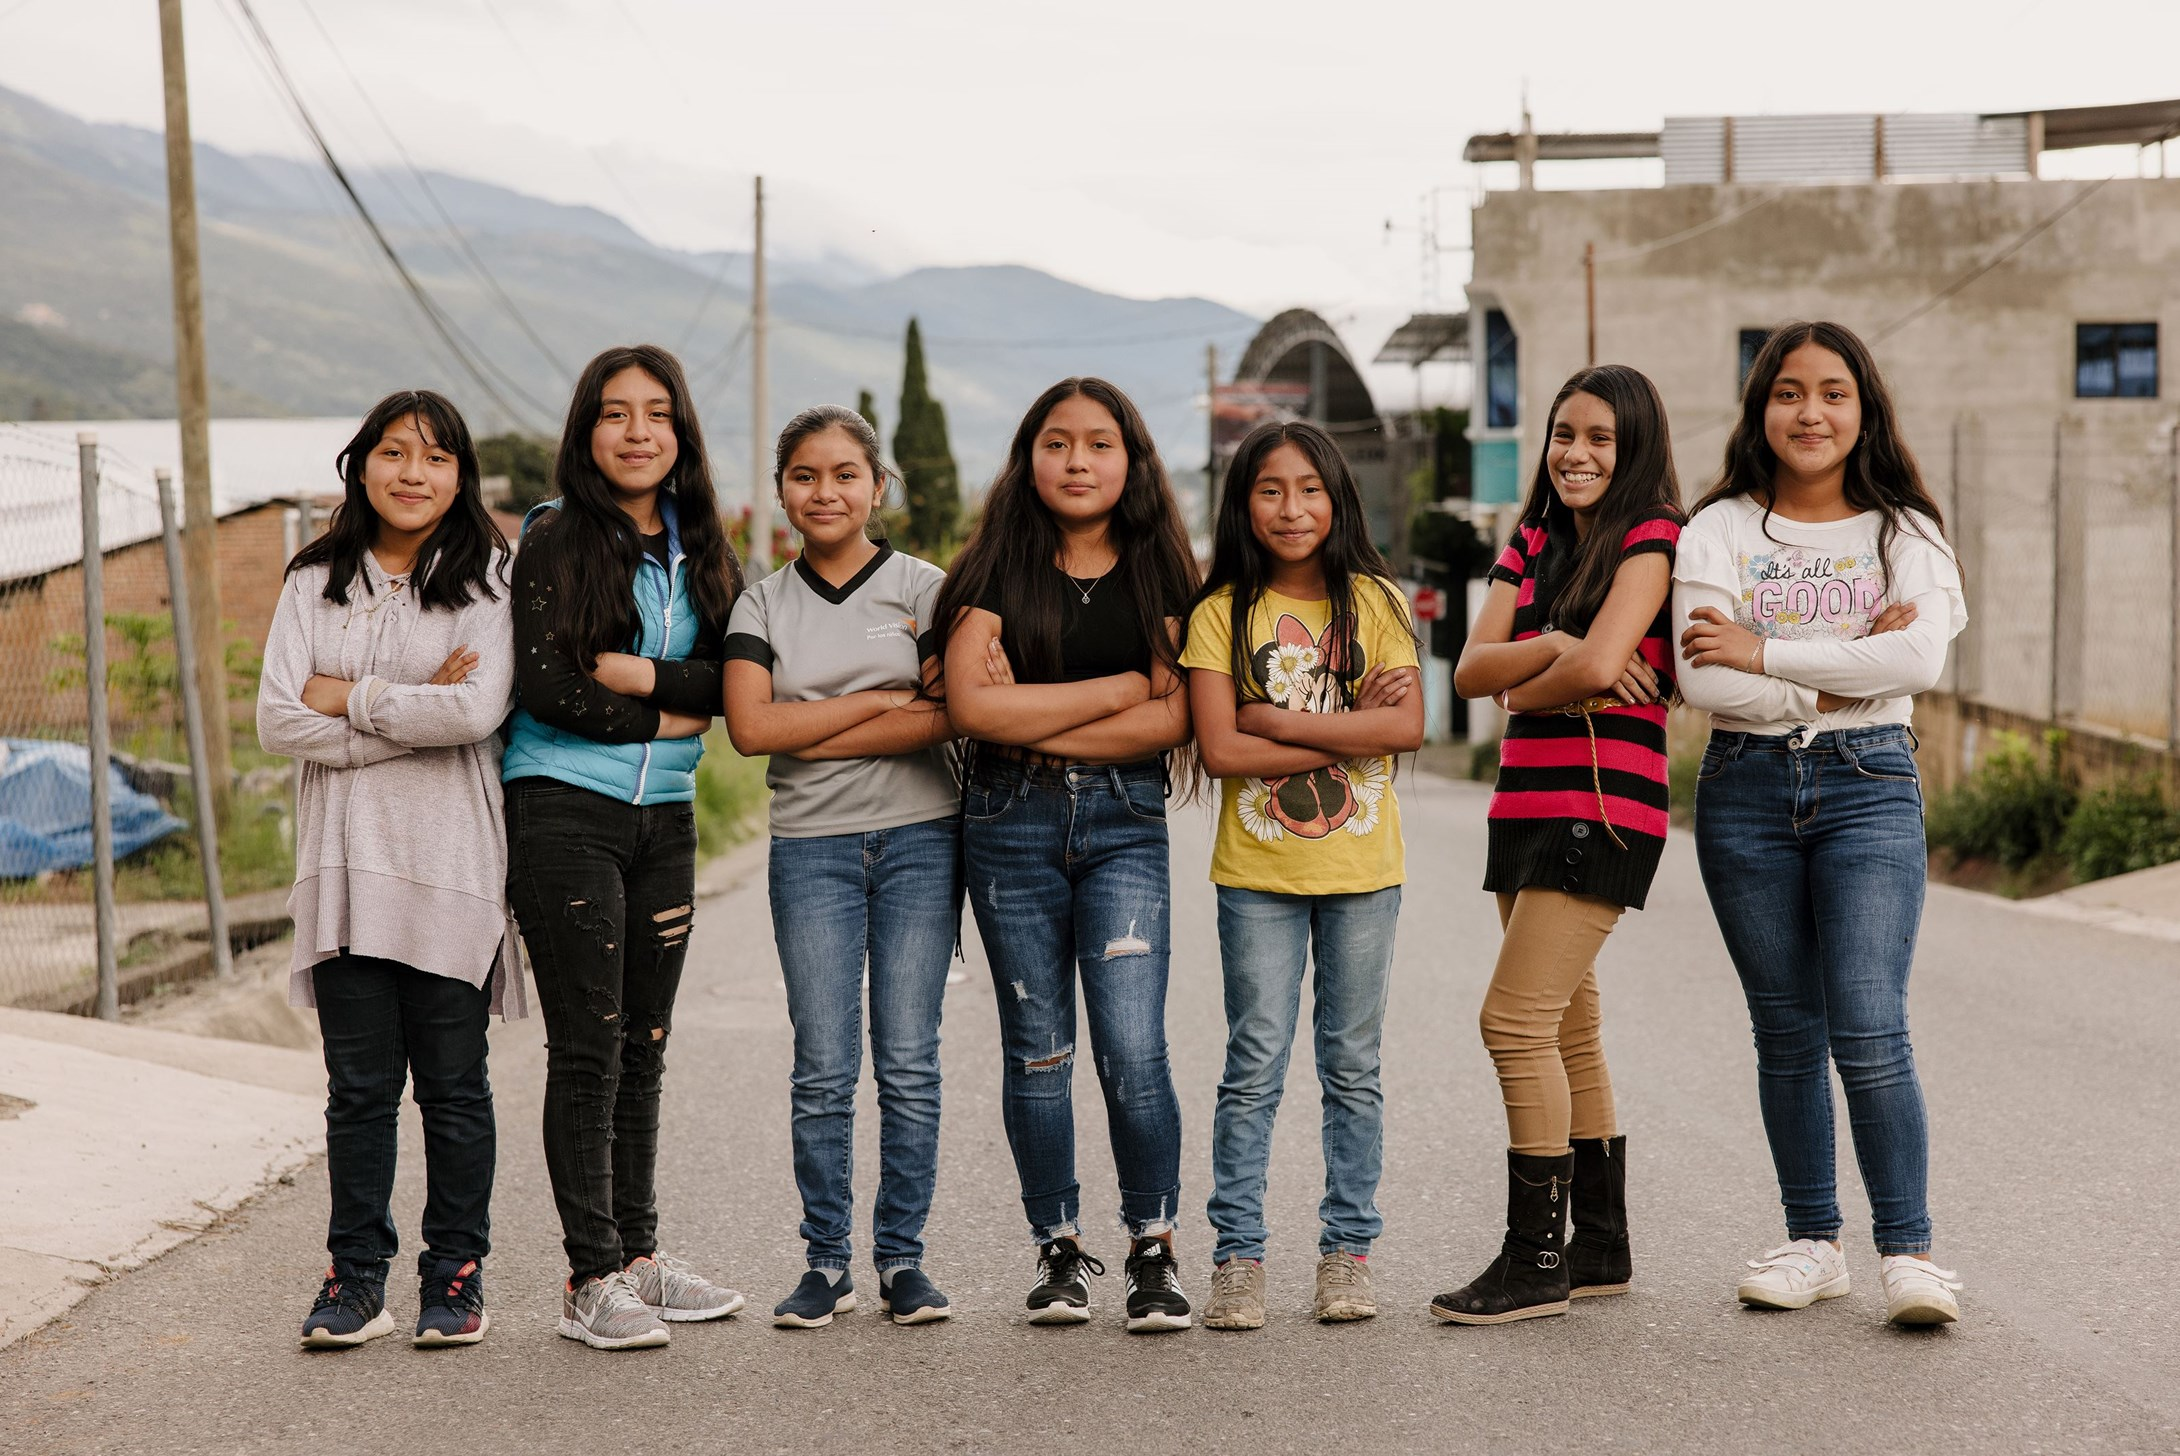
(1062, 1295)
(1155, 1300)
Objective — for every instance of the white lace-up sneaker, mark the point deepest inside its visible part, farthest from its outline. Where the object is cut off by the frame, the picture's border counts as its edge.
(1795, 1275)
(1918, 1292)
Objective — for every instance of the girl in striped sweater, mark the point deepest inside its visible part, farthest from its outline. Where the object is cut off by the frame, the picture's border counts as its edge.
(1572, 642)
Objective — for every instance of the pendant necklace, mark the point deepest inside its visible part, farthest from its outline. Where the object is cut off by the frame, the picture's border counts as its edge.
(1086, 590)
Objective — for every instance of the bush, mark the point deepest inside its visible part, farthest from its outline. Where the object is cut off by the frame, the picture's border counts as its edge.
(730, 796)
(2121, 828)
(2013, 809)
(1681, 771)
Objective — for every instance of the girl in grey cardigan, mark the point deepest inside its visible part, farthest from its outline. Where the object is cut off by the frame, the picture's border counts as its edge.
(388, 671)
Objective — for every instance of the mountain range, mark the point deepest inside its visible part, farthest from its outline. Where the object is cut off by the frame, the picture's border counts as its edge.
(305, 316)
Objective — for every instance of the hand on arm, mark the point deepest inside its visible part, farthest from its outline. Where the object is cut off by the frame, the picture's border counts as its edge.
(626, 674)
(289, 726)
(1229, 751)
(1387, 719)
(1603, 659)
(1723, 689)
(554, 688)
(1490, 661)
(1157, 723)
(758, 725)
(1894, 659)
(983, 700)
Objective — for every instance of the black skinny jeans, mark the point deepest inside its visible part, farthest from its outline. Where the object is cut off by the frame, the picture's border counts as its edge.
(383, 1023)
(604, 892)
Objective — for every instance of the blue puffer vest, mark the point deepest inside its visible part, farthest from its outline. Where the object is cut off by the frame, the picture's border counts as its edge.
(662, 771)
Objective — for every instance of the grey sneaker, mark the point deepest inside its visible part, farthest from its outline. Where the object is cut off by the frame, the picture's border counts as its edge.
(1343, 1289)
(608, 1314)
(674, 1291)
(1237, 1296)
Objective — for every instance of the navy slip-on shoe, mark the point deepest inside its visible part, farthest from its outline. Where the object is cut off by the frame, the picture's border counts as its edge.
(912, 1299)
(815, 1301)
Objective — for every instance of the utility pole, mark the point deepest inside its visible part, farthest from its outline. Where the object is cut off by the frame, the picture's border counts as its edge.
(1211, 439)
(200, 544)
(760, 464)
(1589, 296)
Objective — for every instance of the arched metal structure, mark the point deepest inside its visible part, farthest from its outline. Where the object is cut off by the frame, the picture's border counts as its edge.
(1315, 378)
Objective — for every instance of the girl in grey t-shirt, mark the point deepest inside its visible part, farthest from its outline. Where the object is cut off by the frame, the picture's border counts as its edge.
(825, 658)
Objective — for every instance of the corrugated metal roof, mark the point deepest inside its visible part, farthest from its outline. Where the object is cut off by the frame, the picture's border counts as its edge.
(1841, 148)
(41, 512)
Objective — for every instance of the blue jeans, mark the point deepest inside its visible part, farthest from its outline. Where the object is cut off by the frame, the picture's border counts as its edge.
(386, 1024)
(1068, 874)
(1815, 864)
(838, 900)
(1264, 944)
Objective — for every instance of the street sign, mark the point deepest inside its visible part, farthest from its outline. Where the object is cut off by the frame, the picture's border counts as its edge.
(1430, 604)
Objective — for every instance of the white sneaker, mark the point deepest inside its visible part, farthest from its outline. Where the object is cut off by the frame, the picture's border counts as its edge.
(1918, 1292)
(1796, 1275)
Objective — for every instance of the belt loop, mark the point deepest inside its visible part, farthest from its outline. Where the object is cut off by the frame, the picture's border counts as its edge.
(1735, 743)
(1112, 776)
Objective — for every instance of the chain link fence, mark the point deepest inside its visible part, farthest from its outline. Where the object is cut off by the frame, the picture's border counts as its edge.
(48, 918)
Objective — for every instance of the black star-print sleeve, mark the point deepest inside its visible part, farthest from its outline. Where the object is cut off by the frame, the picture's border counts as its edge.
(551, 686)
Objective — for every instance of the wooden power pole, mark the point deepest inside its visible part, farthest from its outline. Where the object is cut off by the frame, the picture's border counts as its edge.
(200, 544)
(760, 453)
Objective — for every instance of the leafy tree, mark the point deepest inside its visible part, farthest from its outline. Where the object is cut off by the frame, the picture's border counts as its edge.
(932, 516)
(526, 461)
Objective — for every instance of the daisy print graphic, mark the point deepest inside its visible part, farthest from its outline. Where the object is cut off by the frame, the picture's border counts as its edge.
(1303, 671)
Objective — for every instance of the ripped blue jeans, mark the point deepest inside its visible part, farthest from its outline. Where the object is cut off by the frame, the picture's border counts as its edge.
(1067, 871)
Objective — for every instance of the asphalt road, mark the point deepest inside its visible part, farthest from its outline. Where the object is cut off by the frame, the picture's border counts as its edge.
(2047, 1050)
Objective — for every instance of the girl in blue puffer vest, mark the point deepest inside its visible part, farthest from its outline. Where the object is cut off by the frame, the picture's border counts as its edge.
(622, 590)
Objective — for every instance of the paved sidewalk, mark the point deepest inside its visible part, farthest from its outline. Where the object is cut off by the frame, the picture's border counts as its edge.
(119, 1142)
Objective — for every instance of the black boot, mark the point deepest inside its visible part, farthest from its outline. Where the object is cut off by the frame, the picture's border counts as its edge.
(1529, 1278)
(1597, 1255)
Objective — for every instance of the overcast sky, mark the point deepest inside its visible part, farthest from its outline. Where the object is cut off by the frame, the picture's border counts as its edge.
(1251, 153)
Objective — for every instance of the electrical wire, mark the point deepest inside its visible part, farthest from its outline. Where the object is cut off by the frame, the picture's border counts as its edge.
(477, 264)
(465, 351)
(2028, 235)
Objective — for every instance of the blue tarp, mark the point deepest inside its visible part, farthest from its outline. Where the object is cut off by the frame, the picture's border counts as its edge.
(45, 809)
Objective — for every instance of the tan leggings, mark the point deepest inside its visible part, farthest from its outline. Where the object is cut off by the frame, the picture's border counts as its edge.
(1542, 1022)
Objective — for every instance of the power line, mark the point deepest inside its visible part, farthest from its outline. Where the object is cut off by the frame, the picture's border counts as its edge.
(507, 304)
(2027, 236)
(471, 359)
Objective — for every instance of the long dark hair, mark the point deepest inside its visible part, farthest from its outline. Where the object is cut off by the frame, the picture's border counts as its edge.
(1347, 555)
(1881, 471)
(1643, 483)
(1012, 551)
(590, 548)
(456, 560)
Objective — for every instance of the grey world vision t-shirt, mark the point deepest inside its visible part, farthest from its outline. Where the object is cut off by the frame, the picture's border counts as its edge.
(822, 641)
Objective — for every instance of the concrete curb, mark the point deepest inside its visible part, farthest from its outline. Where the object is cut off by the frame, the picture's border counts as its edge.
(133, 1142)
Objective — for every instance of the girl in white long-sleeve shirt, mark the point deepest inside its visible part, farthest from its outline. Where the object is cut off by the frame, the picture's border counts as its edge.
(388, 671)
(1818, 597)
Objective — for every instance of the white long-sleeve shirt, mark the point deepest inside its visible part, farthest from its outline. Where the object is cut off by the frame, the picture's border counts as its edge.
(1811, 590)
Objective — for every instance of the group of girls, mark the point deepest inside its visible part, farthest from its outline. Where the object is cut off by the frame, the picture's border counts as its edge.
(1010, 732)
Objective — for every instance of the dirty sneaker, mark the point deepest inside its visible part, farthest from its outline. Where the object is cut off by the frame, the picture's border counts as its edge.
(1795, 1275)
(1918, 1292)
(450, 1303)
(1343, 1288)
(347, 1312)
(674, 1291)
(608, 1314)
(1155, 1300)
(1237, 1296)
(1062, 1295)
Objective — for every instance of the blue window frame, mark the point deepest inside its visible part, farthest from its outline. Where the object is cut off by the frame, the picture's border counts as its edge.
(1502, 375)
(2115, 361)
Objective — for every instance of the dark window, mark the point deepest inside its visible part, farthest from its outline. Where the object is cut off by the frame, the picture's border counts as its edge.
(1502, 381)
(2115, 361)
(1752, 344)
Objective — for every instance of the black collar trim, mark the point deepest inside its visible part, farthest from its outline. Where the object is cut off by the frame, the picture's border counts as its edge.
(838, 594)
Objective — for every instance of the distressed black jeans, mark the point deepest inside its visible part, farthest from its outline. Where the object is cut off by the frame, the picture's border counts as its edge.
(604, 892)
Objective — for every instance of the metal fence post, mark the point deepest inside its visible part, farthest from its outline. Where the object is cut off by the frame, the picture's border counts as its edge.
(200, 770)
(2172, 593)
(101, 749)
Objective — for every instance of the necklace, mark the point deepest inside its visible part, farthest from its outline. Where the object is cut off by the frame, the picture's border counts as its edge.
(393, 591)
(1093, 586)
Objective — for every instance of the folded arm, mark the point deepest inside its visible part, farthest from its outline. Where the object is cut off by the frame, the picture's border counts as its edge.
(1730, 692)
(433, 715)
(1491, 662)
(285, 723)
(1883, 665)
(1230, 753)
(982, 706)
(758, 725)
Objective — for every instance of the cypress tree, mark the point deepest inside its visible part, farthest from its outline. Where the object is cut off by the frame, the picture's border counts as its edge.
(868, 409)
(925, 459)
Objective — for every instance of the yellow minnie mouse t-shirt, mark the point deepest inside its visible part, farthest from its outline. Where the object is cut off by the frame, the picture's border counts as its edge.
(1332, 831)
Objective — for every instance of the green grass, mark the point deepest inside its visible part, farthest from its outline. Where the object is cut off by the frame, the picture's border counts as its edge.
(730, 796)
